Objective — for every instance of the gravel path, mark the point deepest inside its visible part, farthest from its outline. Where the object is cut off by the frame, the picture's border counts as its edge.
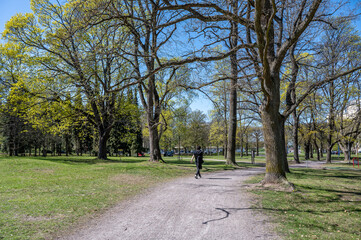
(217, 206)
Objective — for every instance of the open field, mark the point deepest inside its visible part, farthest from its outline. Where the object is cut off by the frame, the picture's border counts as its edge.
(41, 196)
(325, 205)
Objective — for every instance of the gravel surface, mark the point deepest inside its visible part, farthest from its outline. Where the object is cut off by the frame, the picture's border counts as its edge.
(217, 206)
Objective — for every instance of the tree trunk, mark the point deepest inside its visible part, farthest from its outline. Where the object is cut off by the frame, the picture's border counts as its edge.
(242, 145)
(346, 149)
(44, 151)
(307, 150)
(321, 147)
(318, 150)
(104, 133)
(350, 150)
(285, 161)
(67, 144)
(102, 153)
(275, 149)
(296, 157)
(154, 148)
(328, 156)
(225, 147)
(331, 120)
(247, 145)
(257, 146)
(231, 150)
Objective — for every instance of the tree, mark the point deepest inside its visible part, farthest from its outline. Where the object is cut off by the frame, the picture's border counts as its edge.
(72, 55)
(216, 132)
(275, 27)
(197, 130)
(339, 53)
(219, 92)
(233, 42)
(157, 80)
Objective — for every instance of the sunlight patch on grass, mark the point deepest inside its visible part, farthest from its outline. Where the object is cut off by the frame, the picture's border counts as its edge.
(326, 204)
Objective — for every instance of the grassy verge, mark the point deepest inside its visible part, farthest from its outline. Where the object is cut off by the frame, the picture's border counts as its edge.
(326, 204)
(42, 196)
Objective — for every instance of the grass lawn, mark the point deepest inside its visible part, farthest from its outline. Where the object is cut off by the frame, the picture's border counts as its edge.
(241, 160)
(40, 197)
(325, 205)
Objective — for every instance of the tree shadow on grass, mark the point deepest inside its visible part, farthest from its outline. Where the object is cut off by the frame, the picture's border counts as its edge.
(329, 173)
(210, 163)
(229, 211)
(73, 160)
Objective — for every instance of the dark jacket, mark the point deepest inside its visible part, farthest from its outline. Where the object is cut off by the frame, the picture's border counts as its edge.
(198, 156)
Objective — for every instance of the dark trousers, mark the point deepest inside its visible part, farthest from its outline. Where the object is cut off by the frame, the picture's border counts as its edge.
(199, 167)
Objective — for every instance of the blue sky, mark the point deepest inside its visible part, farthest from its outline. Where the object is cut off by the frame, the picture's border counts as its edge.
(9, 8)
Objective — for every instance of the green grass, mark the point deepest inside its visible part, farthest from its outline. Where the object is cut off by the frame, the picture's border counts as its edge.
(325, 205)
(241, 160)
(40, 197)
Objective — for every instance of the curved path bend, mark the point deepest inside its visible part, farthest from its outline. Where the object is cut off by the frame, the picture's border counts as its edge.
(217, 206)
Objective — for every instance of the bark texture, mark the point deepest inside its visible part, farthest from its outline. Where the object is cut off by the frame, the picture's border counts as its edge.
(231, 149)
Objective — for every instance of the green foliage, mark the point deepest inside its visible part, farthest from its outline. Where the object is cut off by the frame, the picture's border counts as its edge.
(197, 130)
(126, 134)
(73, 67)
(216, 133)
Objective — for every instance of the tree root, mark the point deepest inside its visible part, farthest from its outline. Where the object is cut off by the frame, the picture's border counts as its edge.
(279, 183)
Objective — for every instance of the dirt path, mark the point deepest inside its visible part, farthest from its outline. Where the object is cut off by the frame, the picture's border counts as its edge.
(217, 206)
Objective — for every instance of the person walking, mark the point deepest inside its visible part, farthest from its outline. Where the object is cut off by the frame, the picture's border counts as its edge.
(198, 157)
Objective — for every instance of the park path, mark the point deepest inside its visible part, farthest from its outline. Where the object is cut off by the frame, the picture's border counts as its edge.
(217, 206)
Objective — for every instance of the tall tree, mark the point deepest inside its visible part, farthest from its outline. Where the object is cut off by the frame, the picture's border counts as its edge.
(70, 53)
(157, 79)
(275, 26)
(231, 149)
(340, 47)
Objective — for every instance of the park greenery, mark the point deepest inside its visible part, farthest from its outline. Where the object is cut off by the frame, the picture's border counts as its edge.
(104, 79)
(107, 78)
(325, 204)
(44, 197)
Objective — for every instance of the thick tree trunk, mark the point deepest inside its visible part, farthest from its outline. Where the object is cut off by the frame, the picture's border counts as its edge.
(231, 148)
(274, 145)
(102, 145)
(154, 148)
